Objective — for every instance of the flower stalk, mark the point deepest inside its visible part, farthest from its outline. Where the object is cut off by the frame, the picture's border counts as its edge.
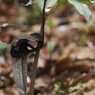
(37, 53)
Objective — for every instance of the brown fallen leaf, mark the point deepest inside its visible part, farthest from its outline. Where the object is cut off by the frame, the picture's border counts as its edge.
(86, 53)
(64, 62)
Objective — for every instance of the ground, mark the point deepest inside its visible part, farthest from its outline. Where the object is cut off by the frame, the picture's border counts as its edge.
(66, 69)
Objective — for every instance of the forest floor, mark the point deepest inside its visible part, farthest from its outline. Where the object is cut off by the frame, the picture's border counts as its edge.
(66, 64)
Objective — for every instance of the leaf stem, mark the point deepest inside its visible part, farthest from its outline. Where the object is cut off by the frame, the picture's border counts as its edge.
(37, 53)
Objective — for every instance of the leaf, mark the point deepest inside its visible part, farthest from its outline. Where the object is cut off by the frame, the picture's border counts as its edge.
(52, 4)
(82, 9)
(81, 1)
(49, 23)
(93, 1)
(3, 45)
(29, 3)
(40, 3)
(71, 89)
(49, 4)
(61, 91)
(58, 85)
(51, 45)
(79, 84)
(84, 1)
(83, 37)
(6, 24)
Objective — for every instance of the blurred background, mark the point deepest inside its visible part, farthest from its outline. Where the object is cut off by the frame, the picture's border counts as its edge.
(66, 64)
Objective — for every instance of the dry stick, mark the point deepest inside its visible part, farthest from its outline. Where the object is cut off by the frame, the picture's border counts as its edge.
(37, 53)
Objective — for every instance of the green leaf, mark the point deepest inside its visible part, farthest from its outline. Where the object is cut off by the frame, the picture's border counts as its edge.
(81, 1)
(38, 94)
(29, 3)
(49, 23)
(40, 3)
(3, 45)
(83, 37)
(79, 84)
(84, 1)
(82, 9)
(49, 4)
(76, 87)
(61, 91)
(52, 4)
(93, 1)
(71, 89)
(6, 24)
(51, 45)
(58, 85)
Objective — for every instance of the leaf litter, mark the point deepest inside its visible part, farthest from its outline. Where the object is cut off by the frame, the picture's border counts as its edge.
(72, 59)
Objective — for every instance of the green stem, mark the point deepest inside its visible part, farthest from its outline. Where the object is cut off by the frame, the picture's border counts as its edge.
(37, 54)
(34, 73)
(35, 68)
